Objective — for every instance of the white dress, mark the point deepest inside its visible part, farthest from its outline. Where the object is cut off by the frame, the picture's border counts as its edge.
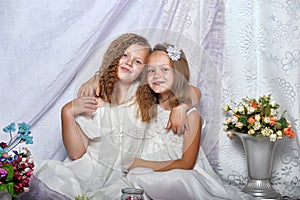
(115, 134)
(201, 183)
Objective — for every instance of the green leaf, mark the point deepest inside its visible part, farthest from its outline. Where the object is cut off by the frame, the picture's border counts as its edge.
(283, 122)
(2, 187)
(277, 125)
(10, 189)
(267, 110)
(243, 120)
(10, 171)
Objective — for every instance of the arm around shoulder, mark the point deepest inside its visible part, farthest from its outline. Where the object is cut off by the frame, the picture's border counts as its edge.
(90, 87)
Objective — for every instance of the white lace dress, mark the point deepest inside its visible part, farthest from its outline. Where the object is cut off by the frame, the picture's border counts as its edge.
(115, 134)
(160, 145)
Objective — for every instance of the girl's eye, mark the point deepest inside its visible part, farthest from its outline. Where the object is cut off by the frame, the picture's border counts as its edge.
(125, 55)
(139, 62)
(165, 69)
(150, 70)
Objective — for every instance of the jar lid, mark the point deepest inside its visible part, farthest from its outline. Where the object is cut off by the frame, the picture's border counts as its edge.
(132, 191)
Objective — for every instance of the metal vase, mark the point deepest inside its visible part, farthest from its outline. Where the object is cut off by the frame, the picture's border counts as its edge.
(259, 153)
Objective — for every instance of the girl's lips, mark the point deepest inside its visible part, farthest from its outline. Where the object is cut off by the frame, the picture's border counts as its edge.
(157, 83)
(124, 69)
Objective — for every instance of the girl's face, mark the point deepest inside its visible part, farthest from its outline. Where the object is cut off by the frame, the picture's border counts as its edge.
(132, 63)
(160, 73)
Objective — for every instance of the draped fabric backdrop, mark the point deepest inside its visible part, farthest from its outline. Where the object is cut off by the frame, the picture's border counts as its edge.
(235, 49)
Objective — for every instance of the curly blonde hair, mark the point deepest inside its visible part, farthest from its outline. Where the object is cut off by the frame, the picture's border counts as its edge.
(147, 99)
(109, 67)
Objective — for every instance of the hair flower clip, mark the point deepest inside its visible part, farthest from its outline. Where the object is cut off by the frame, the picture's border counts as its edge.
(174, 53)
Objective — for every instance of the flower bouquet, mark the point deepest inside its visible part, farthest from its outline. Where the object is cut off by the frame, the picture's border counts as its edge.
(16, 167)
(257, 118)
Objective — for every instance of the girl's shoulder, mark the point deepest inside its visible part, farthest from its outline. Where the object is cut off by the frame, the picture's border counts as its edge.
(192, 110)
(193, 114)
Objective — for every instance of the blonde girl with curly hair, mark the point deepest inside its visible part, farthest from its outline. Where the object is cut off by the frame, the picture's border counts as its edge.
(99, 132)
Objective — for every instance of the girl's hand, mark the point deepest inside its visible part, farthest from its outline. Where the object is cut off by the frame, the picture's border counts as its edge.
(81, 106)
(135, 163)
(89, 88)
(178, 120)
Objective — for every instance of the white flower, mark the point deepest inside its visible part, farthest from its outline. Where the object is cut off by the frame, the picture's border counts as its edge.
(174, 53)
(251, 131)
(236, 110)
(230, 134)
(264, 132)
(267, 132)
(239, 125)
(279, 134)
(273, 137)
(226, 108)
(225, 127)
(251, 110)
(234, 119)
(228, 120)
(256, 125)
(267, 120)
(273, 102)
(273, 112)
(241, 109)
(257, 117)
(27, 169)
(270, 131)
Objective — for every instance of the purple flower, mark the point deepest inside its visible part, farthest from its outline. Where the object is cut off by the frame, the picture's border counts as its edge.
(3, 173)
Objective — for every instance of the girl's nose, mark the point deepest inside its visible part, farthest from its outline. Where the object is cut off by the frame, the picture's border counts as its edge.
(129, 62)
(157, 74)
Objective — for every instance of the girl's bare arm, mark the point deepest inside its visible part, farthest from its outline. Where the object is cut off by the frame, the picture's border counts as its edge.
(74, 139)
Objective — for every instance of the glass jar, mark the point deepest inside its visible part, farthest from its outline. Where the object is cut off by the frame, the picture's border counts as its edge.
(132, 194)
(4, 195)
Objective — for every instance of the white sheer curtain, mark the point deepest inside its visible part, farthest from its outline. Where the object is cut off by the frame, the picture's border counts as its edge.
(235, 48)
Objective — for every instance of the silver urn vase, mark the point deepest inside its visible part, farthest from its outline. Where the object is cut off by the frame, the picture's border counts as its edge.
(259, 153)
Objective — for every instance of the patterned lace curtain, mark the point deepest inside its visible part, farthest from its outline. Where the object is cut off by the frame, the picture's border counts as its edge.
(261, 56)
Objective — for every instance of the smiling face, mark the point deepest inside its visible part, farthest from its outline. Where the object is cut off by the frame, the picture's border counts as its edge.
(160, 74)
(131, 63)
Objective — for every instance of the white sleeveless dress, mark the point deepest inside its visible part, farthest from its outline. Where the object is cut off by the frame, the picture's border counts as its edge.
(201, 183)
(115, 134)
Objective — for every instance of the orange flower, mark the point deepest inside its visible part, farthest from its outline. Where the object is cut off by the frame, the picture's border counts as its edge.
(289, 132)
(292, 135)
(272, 121)
(254, 104)
(251, 120)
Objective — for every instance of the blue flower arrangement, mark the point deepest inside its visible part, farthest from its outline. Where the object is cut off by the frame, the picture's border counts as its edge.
(16, 167)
